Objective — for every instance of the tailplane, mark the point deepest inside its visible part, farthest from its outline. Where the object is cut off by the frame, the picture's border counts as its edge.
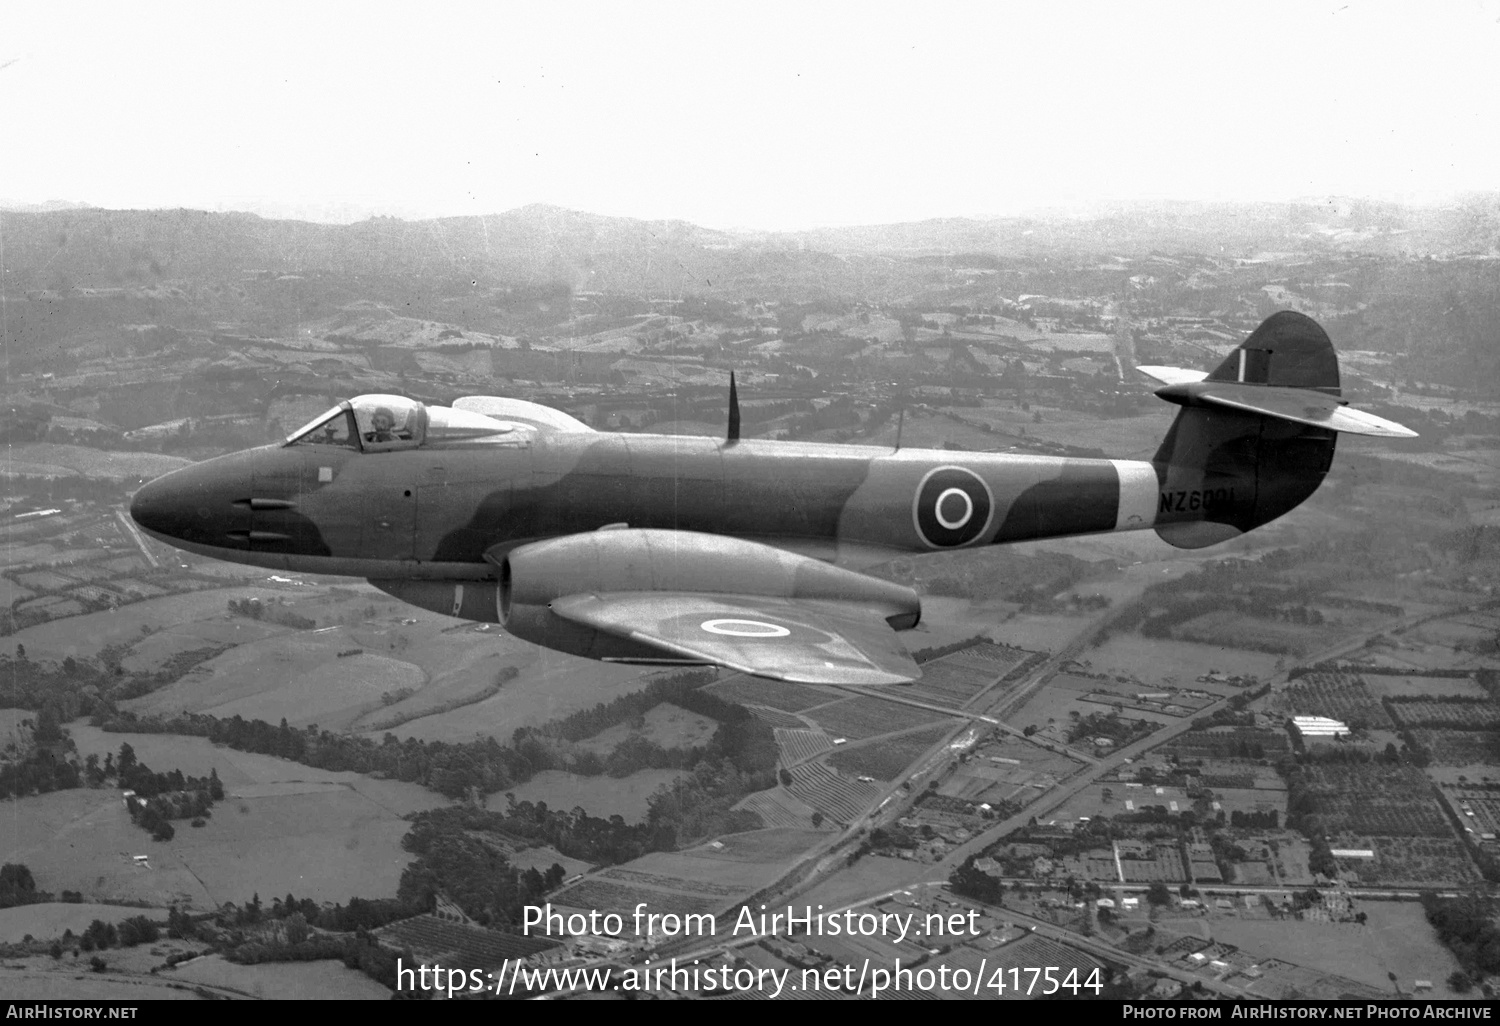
(1256, 435)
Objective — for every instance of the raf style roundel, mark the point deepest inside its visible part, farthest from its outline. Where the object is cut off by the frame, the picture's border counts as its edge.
(952, 507)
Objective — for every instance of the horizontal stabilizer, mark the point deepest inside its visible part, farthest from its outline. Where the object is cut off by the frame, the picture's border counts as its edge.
(1298, 405)
(535, 414)
(1173, 375)
(778, 638)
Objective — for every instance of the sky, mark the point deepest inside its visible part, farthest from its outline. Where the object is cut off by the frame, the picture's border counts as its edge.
(764, 115)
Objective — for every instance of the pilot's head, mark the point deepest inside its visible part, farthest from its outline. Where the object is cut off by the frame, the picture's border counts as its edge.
(382, 419)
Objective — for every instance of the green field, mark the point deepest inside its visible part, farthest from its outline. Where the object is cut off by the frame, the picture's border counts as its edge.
(78, 459)
(325, 980)
(553, 685)
(1156, 659)
(283, 827)
(298, 677)
(1396, 939)
(82, 637)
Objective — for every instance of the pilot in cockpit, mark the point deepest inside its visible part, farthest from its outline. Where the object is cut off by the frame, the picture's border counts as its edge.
(383, 426)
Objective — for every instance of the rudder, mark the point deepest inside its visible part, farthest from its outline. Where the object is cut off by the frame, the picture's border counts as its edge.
(1224, 471)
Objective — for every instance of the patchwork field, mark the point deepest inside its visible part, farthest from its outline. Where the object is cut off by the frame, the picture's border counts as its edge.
(296, 676)
(283, 827)
(552, 685)
(861, 717)
(774, 694)
(155, 650)
(800, 745)
(889, 757)
(778, 807)
(599, 796)
(837, 796)
(82, 637)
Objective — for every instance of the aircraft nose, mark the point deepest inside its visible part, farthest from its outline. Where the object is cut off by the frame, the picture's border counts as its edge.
(157, 506)
(202, 503)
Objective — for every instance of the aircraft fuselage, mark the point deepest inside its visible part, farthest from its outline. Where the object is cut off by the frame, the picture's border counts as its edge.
(434, 512)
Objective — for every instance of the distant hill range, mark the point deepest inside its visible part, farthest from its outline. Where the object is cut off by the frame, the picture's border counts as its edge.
(94, 248)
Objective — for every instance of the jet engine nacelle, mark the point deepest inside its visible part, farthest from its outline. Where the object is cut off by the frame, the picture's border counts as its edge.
(633, 561)
(638, 560)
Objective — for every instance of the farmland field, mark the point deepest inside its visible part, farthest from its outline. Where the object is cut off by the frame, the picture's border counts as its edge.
(47, 984)
(774, 694)
(777, 718)
(1375, 799)
(778, 807)
(861, 717)
(1426, 687)
(296, 676)
(1461, 715)
(1236, 630)
(800, 745)
(748, 861)
(599, 796)
(889, 757)
(839, 797)
(1152, 659)
(610, 896)
(155, 650)
(640, 876)
(1407, 862)
(98, 462)
(1395, 939)
(322, 834)
(551, 685)
(328, 979)
(1461, 747)
(463, 946)
(82, 637)
(1342, 696)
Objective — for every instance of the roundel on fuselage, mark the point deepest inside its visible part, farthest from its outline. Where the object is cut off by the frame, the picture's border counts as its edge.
(952, 507)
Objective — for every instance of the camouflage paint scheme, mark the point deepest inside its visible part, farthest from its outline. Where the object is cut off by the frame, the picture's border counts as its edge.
(433, 522)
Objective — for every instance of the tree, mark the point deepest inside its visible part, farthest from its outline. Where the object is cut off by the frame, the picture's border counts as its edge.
(817, 818)
(1459, 982)
(1158, 894)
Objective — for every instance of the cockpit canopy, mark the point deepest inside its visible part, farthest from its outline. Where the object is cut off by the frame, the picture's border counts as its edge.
(382, 423)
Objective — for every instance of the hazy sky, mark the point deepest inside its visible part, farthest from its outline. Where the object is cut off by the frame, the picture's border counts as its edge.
(760, 114)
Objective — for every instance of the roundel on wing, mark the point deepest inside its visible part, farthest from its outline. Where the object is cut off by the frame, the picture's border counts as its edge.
(952, 507)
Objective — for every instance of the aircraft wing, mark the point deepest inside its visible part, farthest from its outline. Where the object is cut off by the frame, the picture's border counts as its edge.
(784, 639)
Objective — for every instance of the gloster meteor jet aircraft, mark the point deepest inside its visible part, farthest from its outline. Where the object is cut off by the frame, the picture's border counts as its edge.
(742, 553)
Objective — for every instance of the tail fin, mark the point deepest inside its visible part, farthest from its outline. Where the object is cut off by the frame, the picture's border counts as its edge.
(1256, 436)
